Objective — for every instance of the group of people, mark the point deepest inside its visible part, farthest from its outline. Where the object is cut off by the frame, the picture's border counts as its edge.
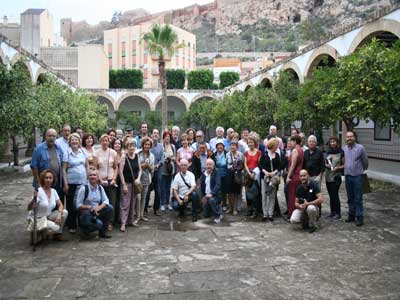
(110, 184)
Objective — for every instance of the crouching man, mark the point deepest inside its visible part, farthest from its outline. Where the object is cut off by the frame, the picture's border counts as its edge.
(183, 188)
(308, 200)
(210, 189)
(95, 211)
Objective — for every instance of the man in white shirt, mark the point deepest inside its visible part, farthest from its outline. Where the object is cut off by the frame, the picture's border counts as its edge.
(183, 188)
(62, 142)
(220, 135)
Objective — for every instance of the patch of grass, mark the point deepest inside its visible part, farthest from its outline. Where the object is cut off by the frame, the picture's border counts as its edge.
(382, 186)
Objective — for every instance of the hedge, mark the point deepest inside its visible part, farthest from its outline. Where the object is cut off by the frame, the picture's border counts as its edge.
(200, 80)
(176, 79)
(126, 79)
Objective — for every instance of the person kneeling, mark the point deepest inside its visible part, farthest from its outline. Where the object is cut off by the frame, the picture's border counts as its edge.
(308, 200)
(211, 188)
(95, 211)
(183, 187)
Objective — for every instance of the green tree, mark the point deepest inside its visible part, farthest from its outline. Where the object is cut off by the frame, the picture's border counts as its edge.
(228, 78)
(126, 79)
(176, 79)
(162, 41)
(200, 80)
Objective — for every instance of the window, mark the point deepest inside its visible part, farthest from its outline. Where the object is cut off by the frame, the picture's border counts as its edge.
(382, 133)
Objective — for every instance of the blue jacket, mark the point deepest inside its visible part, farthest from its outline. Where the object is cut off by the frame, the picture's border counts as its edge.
(215, 182)
(40, 160)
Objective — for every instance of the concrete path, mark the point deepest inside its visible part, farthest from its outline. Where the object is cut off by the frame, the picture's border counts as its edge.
(384, 170)
(238, 259)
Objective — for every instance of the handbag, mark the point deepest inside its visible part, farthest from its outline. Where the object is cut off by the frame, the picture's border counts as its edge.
(137, 187)
(41, 223)
(366, 185)
(237, 173)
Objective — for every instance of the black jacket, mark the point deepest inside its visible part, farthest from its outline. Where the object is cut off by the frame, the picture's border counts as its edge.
(215, 183)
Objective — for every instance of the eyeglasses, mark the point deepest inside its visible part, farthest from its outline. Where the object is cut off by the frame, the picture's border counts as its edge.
(199, 136)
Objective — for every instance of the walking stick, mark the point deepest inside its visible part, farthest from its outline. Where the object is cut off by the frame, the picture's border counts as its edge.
(34, 232)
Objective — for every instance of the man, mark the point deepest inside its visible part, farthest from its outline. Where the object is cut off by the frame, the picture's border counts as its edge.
(48, 155)
(119, 133)
(355, 163)
(95, 211)
(273, 133)
(79, 130)
(199, 139)
(294, 131)
(243, 147)
(210, 189)
(175, 132)
(143, 133)
(63, 140)
(199, 160)
(158, 152)
(183, 188)
(219, 131)
(314, 161)
(229, 137)
(308, 200)
(129, 132)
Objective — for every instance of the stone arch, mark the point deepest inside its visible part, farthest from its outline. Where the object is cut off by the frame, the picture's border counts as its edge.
(292, 68)
(40, 72)
(2, 57)
(180, 97)
(381, 25)
(248, 87)
(138, 95)
(266, 81)
(176, 104)
(134, 102)
(203, 95)
(317, 57)
(18, 57)
(105, 99)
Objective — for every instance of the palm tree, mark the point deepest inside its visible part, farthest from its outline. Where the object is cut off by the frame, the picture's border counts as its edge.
(162, 41)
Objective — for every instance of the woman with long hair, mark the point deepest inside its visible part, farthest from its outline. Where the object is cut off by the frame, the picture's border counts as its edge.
(235, 164)
(168, 170)
(88, 142)
(146, 159)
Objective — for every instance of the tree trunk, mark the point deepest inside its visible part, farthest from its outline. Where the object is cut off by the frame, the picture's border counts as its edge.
(164, 100)
(15, 150)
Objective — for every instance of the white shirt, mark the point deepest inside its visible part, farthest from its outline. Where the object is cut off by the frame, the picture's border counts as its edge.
(207, 182)
(180, 186)
(45, 205)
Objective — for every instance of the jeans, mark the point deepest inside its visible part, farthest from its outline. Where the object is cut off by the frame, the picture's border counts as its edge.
(354, 189)
(194, 198)
(212, 205)
(165, 189)
(333, 191)
(100, 223)
(71, 206)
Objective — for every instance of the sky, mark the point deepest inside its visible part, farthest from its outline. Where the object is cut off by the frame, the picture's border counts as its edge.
(92, 11)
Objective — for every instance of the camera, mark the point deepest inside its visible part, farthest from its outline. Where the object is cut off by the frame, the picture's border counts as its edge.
(302, 200)
(93, 218)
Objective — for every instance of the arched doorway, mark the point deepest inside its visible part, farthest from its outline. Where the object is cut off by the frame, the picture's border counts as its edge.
(292, 75)
(176, 107)
(266, 83)
(110, 108)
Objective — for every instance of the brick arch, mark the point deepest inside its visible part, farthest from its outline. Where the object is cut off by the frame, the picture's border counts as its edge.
(379, 25)
(316, 56)
(183, 99)
(18, 57)
(206, 95)
(133, 94)
(290, 65)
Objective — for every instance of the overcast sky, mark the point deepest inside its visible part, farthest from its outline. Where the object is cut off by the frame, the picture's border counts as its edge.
(92, 11)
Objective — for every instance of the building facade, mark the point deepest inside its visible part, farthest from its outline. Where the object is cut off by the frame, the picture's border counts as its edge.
(126, 50)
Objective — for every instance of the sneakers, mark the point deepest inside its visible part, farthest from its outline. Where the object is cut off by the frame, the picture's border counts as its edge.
(162, 208)
(170, 208)
(336, 217)
(218, 220)
(360, 221)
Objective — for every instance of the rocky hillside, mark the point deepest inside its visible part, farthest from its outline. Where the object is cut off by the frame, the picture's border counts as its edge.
(260, 25)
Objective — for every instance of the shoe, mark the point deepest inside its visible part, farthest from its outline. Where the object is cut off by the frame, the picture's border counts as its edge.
(235, 213)
(59, 238)
(336, 217)
(105, 236)
(330, 216)
(253, 216)
(264, 219)
(350, 219)
(360, 221)
(123, 228)
(271, 219)
(144, 219)
(285, 213)
(110, 227)
(72, 230)
(312, 229)
(170, 208)
(136, 223)
(224, 208)
(194, 219)
(249, 213)
(162, 208)
(157, 213)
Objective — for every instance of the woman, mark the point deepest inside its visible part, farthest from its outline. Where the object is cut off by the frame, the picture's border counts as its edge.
(235, 162)
(112, 134)
(168, 170)
(74, 175)
(129, 173)
(191, 133)
(184, 152)
(47, 201)
(334, 167)
(251, 160)
(116, 144)
(88, 149)
(270, 166)
(146, 160)
(295, 165)
(108, 171)
(221, 165)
